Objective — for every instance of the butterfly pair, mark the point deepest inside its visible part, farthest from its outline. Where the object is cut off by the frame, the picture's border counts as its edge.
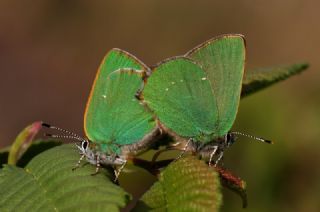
(194, 98)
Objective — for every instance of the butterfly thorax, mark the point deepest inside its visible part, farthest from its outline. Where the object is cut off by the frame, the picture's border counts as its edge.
(104, 158)
(94, 156)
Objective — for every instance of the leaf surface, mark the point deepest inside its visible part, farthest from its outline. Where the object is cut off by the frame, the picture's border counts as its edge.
(48, 183)
(185, 185)
(258, 79)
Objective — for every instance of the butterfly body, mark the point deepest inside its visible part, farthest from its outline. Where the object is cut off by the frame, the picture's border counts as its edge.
(115, 121)
(117, 125)
(195, 97)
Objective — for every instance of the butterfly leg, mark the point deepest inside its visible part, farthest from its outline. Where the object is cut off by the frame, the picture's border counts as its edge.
(219, 158)
(117, 172)
(78, 163)
(97, 164)
(184, 149)
(215, 148)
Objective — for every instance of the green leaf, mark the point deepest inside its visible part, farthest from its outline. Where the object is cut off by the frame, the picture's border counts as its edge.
(22, 142)
(261, 78)
(48, 183)
(34, 149)
(185, 185)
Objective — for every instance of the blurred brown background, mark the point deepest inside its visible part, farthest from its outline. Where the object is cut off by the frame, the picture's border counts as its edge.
(50, 50)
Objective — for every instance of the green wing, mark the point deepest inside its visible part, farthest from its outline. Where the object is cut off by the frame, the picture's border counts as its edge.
(181, 97)
(223, 60)
(113, 116)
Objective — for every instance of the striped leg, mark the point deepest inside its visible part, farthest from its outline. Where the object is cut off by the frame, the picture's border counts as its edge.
(219, 158)
(78, 163)
(184, 149)
(215, 148)
(97, 164)
(117, 172)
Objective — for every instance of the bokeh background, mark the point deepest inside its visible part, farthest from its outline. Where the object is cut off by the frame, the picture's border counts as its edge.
(50, 51)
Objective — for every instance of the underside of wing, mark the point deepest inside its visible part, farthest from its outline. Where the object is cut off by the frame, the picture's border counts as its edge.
(114, 117)
(223, 59)
(179, 94)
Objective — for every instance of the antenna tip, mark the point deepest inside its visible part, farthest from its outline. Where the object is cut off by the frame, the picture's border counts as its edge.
(46, 125)
(269, 142)
(48, 134)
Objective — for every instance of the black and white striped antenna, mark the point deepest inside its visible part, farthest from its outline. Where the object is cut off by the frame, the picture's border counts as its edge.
(253, 137)
(70, 135)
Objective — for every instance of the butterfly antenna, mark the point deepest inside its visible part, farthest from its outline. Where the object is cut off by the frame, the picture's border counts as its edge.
(62, 130)
(64, 136)
(253, 137)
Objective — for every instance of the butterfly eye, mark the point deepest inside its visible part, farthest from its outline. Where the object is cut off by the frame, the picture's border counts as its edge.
(85, 145)
(228, 137)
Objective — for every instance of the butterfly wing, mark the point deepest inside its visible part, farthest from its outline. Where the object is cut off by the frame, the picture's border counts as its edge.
(114, 117)
(223, 60)
(179, 94)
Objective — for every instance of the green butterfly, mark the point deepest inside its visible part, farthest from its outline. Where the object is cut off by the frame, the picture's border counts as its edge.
(116, 124)
(195, 97)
